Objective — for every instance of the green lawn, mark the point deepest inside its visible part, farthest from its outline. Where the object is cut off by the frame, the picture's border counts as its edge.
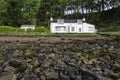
(111, 33)
(42, 31)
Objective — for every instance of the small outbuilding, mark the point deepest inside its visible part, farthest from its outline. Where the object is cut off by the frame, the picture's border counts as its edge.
(25, 27)
(71, 26)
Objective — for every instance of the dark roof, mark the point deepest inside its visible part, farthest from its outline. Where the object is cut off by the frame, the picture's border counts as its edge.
(67, 20)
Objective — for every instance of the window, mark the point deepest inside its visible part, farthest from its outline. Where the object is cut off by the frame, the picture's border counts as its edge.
(72, 29)
(79, 29)
(90, 29)
(60, 21)
(79, 21)
(60, 28)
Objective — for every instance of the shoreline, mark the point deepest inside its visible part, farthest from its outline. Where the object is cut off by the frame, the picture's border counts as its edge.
(47, 39)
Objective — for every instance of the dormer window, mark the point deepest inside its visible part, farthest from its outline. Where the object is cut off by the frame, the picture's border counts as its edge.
(60, 21)
(79, 21)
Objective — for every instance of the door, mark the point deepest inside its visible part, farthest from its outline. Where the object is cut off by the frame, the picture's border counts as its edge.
(72, 29)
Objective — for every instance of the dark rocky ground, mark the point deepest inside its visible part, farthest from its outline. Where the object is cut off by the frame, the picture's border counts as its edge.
(60, 59)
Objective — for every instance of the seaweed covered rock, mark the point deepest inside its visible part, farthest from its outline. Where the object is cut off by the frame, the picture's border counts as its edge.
(97, 59)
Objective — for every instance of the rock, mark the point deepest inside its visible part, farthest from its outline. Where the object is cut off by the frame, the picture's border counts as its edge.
(111, 74)
(9, 68)
(30, 77)
(64, 77)
(8, 76)
(90, 61)
(72, 74)
(37, 71)
(18, 64)
(78, 54)
(63, 39)
(28, 54)
(64, 60)
(42, 58)
(47, 63)
(1, 57)
(35, 63)
(20, 76)
(79, 77)
(29, 67)
(42, 77)
(52, 55)
(70, 61)
(51, 75)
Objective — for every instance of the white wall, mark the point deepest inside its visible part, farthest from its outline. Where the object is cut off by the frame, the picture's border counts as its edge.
(84, 28)
(25, 27)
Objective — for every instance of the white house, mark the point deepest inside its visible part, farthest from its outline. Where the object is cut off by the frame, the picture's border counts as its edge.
(25, 27)
(71, 26)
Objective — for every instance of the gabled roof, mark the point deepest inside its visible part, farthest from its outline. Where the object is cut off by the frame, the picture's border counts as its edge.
(67, 20)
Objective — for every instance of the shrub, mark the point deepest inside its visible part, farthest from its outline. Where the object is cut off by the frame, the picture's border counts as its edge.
(41, 30)
(30, 30)
(7, 29)
(110, 29)
(20, 30)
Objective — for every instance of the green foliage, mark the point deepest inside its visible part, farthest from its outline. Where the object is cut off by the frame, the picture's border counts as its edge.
(13, 30)
(19, 12)
(42, 30)
(20, 30)
(6, 29)
(110, 29)
(3, 12)
(30, 10)
(94, 17)
(30, 30)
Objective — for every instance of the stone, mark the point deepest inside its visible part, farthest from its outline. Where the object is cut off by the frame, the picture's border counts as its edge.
(78, 54)
(18, 64)
(42, 77)
(79, 77)
(64, 77)
(35, 63)
(30, 77)
(52, 55)
(8, 76)
(90, 61)
(42, 58)
(61, 60)
(20, 76)
(47, 63)
(9, 68)
(29, 67)
(51, 75)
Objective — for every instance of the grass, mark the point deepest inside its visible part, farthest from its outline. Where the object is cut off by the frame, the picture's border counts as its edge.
(42, 31)
(111, 33)
(39, 31)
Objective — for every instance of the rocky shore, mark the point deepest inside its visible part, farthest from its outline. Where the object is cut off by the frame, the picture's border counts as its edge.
(71, 59)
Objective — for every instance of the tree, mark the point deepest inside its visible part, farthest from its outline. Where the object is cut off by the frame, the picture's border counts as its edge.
(14, 12)
(3, 12)
(21, 11)
(30, 10)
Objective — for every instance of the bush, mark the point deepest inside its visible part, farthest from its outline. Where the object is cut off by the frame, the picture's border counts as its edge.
(4, 29)
(30, 30)
(41, 30)
(13, 30)
(20, 30)
(110, 29)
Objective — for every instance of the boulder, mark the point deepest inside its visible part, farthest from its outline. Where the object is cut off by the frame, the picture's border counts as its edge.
(51, 75)
(8, 76)
(30, 77)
